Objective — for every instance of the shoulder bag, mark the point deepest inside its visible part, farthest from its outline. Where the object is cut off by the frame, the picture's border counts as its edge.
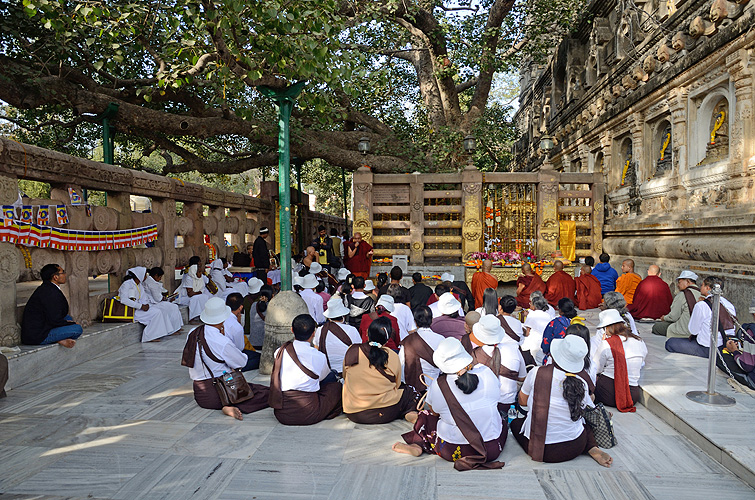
(116, 312)
(599, 420)
(232, 387)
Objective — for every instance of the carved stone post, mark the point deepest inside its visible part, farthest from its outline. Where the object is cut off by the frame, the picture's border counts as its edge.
(283, 308)
(217, 230)
(743, 131)
(166, 208)
(678, 107)
(363, 179)
(417, 220)
(195, 237)
(121, 203)
(471, 200)
(598, 213)
(238, 238)
(10, 262)
(547, 210)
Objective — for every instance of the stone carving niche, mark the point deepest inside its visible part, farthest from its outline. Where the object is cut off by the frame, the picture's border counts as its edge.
(717, 148)
(663, 146)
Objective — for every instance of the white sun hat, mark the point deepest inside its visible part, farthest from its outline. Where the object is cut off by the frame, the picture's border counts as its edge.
(309, 281)
(447, 277)
(488, 330)
(609, 317)
(387, 301)
(215, 311)
(447, 303)
(450, 356)
(343, 273)
(569, 353)
(368, 285)
(687, 275)
(336, 309)
(315, 268)
(254, 284)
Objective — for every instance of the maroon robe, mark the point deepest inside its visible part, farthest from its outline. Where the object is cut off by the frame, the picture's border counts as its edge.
(560, 285)
(531, 284)
(652, 299)
(588, 292)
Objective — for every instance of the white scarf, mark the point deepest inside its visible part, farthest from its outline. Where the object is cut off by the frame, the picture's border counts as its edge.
(197, 282)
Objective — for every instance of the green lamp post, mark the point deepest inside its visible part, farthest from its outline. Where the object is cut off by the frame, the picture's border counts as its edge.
(284, 101)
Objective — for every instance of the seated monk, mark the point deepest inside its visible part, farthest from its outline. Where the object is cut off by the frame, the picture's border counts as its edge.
(588, 289)
(527, 284)
(628, 281)
(560, 285)
(482, 280)
(652, 298)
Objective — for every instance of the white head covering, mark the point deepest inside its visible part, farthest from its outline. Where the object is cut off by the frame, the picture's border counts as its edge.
(447, 277)
(387, 301)
(450, 356)
(609, 317)
(488, 330)
(254, 284)
(569, 353)
(368, 285)
(215, 311)
(197, 283)
(315, 268)
(687, 275)
(447, 303)
(217, 264)
(336, 309)
(343, 273)
(139, 272)
(308, 281)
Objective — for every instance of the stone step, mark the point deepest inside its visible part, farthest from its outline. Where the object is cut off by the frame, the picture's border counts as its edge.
(41, 361)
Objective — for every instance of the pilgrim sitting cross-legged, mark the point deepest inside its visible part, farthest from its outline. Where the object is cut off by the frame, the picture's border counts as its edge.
(160, 318)
(302, 389)
(335, 336)
(461, 424)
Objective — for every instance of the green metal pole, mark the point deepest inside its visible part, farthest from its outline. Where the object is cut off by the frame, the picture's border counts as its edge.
(284, 101)
(299, 219)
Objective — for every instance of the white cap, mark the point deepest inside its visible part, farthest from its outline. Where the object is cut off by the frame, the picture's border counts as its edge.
(450, 356)
(387, 301)
(687, 275)
(609, 317)
(368, 285)
(215, 311)
(254, 284)
(343, 273)
(308, 281)
(447, 277)
(336, 309)
(488, 330)
(315, 268)
(569, 353)
(447, 303)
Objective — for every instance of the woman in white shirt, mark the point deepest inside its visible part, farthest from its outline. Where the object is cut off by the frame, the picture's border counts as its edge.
(193, 290)
(613, 377)
(554, 430)
(423, 318)
(489, 302)
(153, 284)
(534, 325)
(441, 429)
(160, 318)
(203, 368)
(223, 278)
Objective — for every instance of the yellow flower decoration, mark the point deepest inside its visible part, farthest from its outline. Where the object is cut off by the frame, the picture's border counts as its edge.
(457, 454)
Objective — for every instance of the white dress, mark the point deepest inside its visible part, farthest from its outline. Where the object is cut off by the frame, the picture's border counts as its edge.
(162, 318)
(195, 303)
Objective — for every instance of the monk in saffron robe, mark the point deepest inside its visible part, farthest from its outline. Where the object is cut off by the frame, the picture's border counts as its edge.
(560, 285)
(527, 284)
(482, 280)
(652, 298)
(628, 281)
(588, 289)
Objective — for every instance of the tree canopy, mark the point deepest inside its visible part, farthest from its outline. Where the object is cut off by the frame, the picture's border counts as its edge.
(413, 76)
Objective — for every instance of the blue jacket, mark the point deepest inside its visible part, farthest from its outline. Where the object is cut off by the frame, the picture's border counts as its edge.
(607, 277)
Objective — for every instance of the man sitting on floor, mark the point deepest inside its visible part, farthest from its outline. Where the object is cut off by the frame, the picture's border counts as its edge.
(676, 323)
(628, 281)
(419, 292)
(560, 285)
(606, 274)
(46, 319)
(302, 389)
(699, 323)
(652, 298)
(526, 284)
(482, 280)
(588, 289)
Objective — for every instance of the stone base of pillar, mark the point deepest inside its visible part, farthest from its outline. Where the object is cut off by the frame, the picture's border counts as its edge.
(281, 311)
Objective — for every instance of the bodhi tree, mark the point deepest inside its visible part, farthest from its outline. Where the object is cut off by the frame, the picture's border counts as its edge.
(414, 77)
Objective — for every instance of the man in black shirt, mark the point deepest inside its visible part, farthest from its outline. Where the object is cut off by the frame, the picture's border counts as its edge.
(261, 255)
(323, 245)
(419, 292)
(244, 259)
(46, 319)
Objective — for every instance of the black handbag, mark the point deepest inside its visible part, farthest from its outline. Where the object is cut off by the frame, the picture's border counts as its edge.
(232, 387)
(600, 422)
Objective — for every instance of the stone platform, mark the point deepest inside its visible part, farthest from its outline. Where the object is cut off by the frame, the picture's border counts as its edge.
(125, 426)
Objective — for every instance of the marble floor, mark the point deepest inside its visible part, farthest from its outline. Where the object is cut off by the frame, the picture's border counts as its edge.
(125, 426)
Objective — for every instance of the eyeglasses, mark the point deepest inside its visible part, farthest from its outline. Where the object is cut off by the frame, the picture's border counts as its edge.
(62, 271)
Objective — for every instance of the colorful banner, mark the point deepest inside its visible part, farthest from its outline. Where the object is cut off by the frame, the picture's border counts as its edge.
(43, 215)
(62, 213)
(75, 197)
(27, 212)
(24, 233)
(9, 212)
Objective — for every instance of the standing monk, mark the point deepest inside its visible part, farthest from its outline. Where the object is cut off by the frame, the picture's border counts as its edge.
(359, 255)
(652, 298)
(260, 255)
(482, 280)
(628, 281)
(588, 289)
(527, 284)
(560, 285)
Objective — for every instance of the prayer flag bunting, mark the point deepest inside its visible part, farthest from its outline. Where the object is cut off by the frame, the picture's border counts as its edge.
(62, 213)
(43, 215)
(27, 212)
(9, 212)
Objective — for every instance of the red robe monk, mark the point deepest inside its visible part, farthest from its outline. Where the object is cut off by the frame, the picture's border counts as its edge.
(527, 284)
(482, 280)
(588, 290)
(627, 282)
(559, 285)
(652, 298)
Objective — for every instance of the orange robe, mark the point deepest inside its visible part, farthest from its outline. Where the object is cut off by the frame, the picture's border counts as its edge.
(560, 285)
(480, 281)
(588, 291)
(531, 284)
(626, 285)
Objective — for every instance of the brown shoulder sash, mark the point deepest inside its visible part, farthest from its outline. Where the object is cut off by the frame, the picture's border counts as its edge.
(415, 349)
(507, 328)
(690, 297)
(540, 406)
(466, 342)
(336, 330)
(275, 400)
(468, 430)
(494, 363)
(351, 358)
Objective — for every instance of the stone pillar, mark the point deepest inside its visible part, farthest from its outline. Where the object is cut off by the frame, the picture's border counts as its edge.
(121, 203)
(547, 210)
(216, 229)
(636, 123)
(10, 333)
(417, 220)
(238, 238)
(598, 213)
(605, 147)
(281, 311)
(195, 237)
(363, 179)
(471, 200)
(743, 131)
(166, 208)
(678, 107)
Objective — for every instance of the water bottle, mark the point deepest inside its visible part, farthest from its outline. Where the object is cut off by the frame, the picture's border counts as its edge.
(512, 413)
